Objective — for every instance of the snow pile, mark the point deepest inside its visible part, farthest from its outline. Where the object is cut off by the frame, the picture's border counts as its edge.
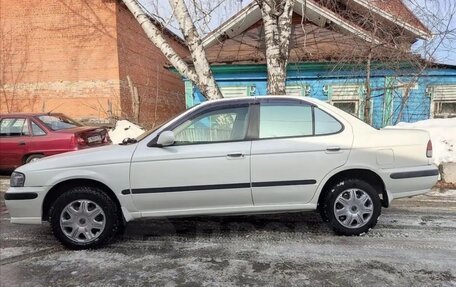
(124, 129)
(443, 136)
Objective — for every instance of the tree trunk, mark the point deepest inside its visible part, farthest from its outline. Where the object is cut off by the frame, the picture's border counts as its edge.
(206, 83)
(277, 31)
(368, 96)
(201, 74)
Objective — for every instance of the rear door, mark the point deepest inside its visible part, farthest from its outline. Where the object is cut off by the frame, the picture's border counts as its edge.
(14, 141)
(298, 144)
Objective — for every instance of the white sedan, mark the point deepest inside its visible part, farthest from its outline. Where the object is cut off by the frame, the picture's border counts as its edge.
(237, 156)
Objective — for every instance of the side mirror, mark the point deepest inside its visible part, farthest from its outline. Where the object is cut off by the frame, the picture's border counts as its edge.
(166, 138)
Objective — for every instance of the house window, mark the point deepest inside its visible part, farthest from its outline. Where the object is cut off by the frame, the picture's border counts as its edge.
(237, 91)
(443, 101)
(298, 90)
(346, 97)
(351, 107)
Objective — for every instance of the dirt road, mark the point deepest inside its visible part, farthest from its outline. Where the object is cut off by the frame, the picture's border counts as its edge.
(414, 244)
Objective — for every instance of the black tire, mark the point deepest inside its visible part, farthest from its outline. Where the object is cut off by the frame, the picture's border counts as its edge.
(33, 157)
(359, 188)
(110, 217)
(322, 208)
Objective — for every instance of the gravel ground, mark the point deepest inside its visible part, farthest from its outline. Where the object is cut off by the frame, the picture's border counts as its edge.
(414, 244)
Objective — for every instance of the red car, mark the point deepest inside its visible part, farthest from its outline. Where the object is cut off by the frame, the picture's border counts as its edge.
(28, 137)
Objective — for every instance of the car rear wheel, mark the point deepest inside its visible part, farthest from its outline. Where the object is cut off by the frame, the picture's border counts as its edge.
(33, 157)
(84, 218)
(353, 207)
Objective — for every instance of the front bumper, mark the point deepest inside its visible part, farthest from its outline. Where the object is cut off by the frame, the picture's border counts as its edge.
(25, 204)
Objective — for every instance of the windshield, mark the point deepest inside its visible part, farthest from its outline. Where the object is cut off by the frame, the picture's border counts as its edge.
(58, 122)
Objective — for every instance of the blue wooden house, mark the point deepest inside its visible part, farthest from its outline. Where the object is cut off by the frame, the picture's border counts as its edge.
(328, 61)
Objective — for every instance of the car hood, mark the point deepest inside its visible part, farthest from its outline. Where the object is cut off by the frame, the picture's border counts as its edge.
(110, 154)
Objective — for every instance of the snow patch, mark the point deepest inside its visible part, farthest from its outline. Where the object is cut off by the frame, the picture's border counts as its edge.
(90, 259)
(124, 129)
(9, 252)
(443, 136)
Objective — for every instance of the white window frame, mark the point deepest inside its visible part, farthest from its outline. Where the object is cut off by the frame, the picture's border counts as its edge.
(346, 93)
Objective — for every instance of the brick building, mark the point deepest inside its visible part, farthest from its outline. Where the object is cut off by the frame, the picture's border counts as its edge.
(85, 58)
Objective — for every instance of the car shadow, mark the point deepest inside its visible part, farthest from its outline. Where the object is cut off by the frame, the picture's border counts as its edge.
(226, 226)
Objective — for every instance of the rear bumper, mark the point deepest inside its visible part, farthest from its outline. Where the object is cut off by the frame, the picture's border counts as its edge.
(411, 181)
(24, 204)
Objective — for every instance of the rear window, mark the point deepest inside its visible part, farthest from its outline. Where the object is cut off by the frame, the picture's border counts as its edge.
(58, 122)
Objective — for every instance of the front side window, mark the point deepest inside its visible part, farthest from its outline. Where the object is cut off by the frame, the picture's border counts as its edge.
(228, 124)
(14, 127)
(58, 122)
(285, 120)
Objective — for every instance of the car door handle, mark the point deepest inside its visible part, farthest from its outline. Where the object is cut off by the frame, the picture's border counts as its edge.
(235, 155)
(21, 143)
(333, 148)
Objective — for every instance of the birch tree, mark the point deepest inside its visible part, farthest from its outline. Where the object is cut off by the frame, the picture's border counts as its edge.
(200, 73)
(277, 16)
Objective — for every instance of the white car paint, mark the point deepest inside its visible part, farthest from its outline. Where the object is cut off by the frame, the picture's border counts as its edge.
(123, 168)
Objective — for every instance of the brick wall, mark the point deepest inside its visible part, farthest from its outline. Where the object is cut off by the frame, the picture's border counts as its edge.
(161, 93)
(59, 55)
(73, 56)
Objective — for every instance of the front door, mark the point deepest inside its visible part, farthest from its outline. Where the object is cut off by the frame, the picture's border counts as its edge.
(206, 170)
(298, 144)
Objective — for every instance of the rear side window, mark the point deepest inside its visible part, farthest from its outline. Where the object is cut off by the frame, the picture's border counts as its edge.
(325, 124)
(36, 130)
(13, 127)
(285, 120)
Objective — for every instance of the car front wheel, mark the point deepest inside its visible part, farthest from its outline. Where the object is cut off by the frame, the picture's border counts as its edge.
(353, 207)
(84, 218)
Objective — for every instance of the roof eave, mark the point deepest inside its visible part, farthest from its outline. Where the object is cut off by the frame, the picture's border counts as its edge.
(420, 33)
(246, 17)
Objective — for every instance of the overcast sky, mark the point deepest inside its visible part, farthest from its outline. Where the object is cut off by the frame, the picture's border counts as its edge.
(437, 15)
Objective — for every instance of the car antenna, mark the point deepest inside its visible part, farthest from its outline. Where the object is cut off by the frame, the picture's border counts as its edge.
(49, 113)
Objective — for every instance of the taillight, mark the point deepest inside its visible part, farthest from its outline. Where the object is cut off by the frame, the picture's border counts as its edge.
(80, 141)
(106, 138)
(429, 149)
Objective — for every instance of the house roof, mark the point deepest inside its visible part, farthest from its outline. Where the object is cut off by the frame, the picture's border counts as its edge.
(396, 12)
(309, 42)
(392, 10)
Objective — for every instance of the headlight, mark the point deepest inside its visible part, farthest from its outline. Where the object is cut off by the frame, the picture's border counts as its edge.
(17, 179)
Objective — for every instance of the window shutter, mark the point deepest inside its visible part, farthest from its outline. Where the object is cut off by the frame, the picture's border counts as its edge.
(298, 90)
(237, 91)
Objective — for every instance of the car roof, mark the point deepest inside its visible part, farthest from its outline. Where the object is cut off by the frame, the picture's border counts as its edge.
(259, 99)
(26, 114)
